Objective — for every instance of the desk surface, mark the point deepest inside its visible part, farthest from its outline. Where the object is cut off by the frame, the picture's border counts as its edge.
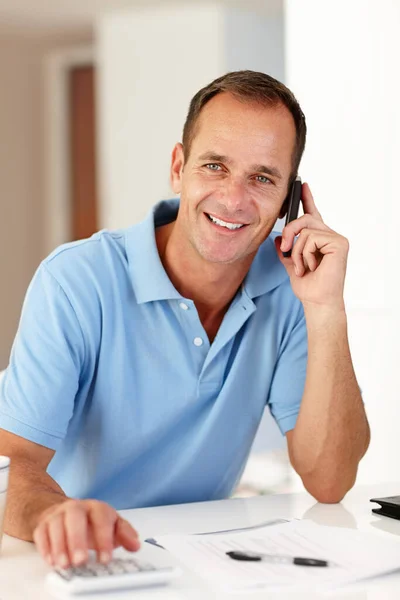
(22, 571)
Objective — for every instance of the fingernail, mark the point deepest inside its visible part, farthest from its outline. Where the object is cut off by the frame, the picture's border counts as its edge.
(63, 560)
(79, 557)
(49, 560)
(296, 270)
(105, 557)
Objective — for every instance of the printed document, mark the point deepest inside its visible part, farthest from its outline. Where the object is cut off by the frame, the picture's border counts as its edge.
(354, 555)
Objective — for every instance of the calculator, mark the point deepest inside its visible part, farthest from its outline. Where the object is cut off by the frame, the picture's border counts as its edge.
(119, 574)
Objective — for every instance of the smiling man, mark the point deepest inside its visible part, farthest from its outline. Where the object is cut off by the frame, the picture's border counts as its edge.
(145, 357)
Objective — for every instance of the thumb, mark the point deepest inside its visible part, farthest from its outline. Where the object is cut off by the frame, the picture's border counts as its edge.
(287, 262)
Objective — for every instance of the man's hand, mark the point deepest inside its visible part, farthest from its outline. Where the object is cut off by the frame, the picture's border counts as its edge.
(66, 531)
(317, 267)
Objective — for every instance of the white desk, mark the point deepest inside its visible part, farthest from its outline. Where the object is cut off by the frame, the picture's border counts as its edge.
(22, 571)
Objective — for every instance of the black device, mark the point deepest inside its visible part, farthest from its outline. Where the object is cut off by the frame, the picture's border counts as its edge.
(389, 506)
(293, 203)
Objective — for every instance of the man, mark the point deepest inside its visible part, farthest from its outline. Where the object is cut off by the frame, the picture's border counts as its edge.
(145, 357)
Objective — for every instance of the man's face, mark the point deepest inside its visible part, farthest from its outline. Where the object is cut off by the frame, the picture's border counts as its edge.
(235, 179)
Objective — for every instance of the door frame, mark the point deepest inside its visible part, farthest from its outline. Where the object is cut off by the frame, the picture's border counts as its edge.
(57, 140)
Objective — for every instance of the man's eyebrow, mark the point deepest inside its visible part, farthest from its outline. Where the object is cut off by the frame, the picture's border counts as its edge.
(269, 170)
(212, 156)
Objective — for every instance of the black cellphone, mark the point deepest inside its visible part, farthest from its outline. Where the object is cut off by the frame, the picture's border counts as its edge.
(293, 203)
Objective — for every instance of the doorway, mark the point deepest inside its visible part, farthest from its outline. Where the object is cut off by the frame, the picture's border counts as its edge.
(82, 138)
(72, 195)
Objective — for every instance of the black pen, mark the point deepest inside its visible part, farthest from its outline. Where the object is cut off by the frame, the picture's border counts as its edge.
(277, 559)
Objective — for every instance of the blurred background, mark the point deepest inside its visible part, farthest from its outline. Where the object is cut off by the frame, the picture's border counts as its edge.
(94, 94)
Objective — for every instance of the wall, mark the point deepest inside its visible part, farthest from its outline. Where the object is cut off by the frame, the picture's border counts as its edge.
(254, 41)
(342, 62)
(151, 62)
(20, 227)
(22, 177)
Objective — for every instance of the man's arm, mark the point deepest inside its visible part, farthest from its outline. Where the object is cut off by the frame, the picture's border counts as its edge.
(38, 510)
(331, 433)
(30, 489)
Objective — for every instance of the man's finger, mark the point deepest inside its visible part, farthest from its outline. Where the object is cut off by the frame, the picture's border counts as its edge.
(76, 530)
(58, 544)
(102, 522)
(310, 253)
(292, 229)
(307, 200)
(299, 264)
(41, 539)
(126, 535)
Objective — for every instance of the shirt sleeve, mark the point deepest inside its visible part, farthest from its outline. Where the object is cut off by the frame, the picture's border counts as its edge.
(38, 389)
(289, 378)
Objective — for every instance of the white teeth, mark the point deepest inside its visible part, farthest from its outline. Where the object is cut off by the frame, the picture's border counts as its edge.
(224, 224)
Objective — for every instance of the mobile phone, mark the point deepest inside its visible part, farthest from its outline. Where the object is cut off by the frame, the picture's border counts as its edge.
(293, 203)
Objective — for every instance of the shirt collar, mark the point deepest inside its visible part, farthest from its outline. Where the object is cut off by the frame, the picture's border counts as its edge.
(150, 280)
(266, 271)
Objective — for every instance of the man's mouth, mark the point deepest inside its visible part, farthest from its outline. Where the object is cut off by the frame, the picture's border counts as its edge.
(226, 224)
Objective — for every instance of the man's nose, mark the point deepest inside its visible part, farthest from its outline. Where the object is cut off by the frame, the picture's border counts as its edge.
(235, 195)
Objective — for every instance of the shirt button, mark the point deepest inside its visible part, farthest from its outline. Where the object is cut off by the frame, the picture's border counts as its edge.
(183, 306)
(198, 341)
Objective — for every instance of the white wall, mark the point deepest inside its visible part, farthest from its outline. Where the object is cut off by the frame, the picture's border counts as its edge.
(22, 169)
(342, 61)
(255, 42)
(151, 62)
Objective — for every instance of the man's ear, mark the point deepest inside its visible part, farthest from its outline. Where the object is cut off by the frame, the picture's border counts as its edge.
(177, 162)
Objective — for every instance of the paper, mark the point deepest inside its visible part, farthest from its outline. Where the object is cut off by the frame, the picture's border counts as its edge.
(356, 555)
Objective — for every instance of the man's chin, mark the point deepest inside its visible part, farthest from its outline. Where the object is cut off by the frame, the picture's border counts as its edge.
(224, 258)
(223, 253)
(221, 260)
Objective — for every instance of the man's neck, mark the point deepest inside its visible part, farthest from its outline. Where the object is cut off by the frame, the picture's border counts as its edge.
(211, 286)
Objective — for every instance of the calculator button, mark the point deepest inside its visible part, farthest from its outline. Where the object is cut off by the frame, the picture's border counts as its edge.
(131, 566)
(64, 573)
(118, 569)
(83, 572)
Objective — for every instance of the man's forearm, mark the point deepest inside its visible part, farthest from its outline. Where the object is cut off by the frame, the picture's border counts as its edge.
(30, 493)
(332, 432)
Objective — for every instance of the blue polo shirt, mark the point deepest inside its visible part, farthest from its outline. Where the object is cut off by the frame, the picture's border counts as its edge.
(112, 368)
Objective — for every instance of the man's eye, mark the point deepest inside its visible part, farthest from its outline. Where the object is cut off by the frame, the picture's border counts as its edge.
(213, 167)
(262, 179)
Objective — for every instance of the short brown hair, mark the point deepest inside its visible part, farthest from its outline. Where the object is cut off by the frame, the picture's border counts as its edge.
(250, 86)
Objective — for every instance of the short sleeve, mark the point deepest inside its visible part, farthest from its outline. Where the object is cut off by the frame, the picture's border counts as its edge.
(38, 389)
(289, 378)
